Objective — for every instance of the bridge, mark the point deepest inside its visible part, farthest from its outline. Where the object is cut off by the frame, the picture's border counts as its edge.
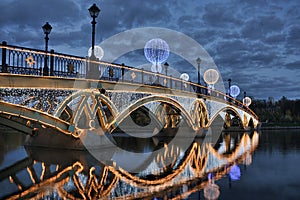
(58, 99)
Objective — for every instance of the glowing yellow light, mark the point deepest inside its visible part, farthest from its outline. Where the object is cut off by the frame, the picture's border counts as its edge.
(30, 61)
(133, 76)
(165, 81)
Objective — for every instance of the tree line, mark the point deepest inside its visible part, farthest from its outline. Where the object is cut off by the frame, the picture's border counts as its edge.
(281, 112)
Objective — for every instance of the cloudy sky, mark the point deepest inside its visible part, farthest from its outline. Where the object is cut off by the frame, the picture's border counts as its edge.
(256, 43)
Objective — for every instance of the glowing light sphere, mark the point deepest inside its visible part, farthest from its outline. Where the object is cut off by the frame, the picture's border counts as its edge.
(211, 76)
(247, 101)
(156, 51)
(234, 91)
(185, 76)
(98, 52)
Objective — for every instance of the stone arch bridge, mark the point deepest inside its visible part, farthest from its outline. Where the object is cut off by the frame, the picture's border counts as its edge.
(72, 111)
(68, 103)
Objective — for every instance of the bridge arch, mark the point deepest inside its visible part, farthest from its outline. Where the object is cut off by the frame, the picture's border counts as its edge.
(149, 99)
(224, 109)
(87, 106)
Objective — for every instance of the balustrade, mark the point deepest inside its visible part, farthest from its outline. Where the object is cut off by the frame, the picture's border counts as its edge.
(21, 60)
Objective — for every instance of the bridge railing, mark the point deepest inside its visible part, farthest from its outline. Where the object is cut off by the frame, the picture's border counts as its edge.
(21, 60)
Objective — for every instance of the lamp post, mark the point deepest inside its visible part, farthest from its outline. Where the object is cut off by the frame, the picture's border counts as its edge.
(92, 70)
(198, 60)
(229, 85)
(94, 12)
(166, 65)
(47, 29)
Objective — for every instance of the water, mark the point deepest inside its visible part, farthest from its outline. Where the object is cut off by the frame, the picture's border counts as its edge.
(274, 173)
(268, 171)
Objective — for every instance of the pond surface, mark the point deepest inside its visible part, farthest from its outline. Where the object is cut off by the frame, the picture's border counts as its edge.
(237, 166)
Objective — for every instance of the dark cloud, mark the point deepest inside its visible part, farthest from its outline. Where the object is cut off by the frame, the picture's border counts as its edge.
(120, 16)
(23, 21)
(293, 65)
(33, 13)
(260, 27)
(275, 39)
(220, 15)
(294, 36)
(263, 58)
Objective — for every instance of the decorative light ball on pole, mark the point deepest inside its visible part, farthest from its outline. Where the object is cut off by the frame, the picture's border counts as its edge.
(156, 51)
(185, 76)
(211, 76)
(234, 91)
(247, 101)
(98, 52)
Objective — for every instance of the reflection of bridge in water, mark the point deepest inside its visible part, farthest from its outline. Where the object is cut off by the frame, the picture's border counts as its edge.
(71, 102)
(77, 175)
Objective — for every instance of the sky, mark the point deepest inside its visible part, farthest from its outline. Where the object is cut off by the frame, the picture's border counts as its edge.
(256, 43)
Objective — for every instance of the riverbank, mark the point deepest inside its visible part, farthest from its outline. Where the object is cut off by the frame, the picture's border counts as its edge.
(279, 127)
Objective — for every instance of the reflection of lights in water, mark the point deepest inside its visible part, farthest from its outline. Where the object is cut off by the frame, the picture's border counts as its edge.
(69, 185)
(83, 178)
(235, 173)
(248, 159)
(211, 191)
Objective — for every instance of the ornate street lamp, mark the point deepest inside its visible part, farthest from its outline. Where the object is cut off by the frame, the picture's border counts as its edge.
(94, 12)
(47, 29)
(166, 65)
(198, 60)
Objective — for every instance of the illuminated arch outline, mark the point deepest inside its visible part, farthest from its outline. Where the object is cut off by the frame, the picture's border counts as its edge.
(200, 119)
(121, 116)
(224, 109)
(83, 105)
